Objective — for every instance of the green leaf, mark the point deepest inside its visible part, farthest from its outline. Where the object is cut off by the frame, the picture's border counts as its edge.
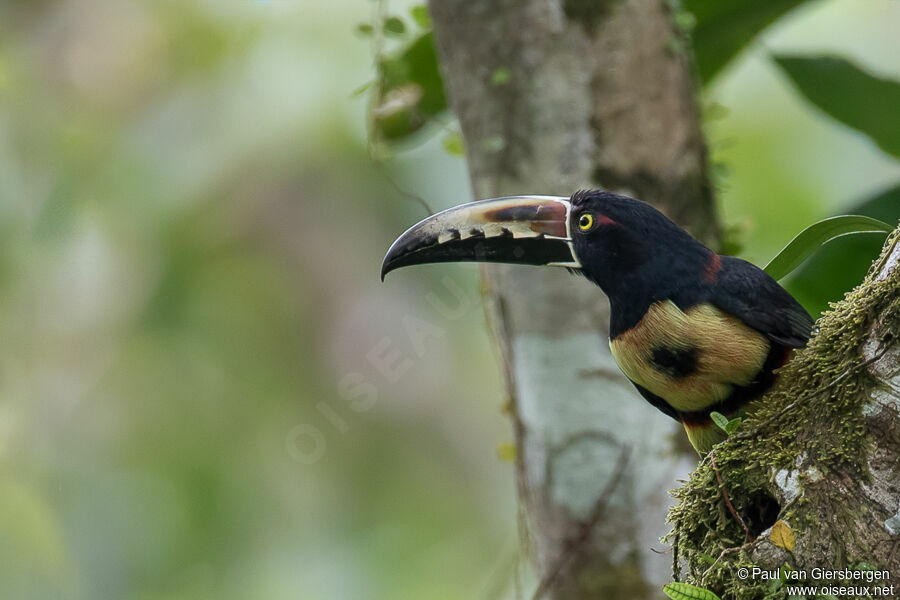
(686, 591)
(850, 95)
(814, 236)
(719, 419)
(723, 28)
(365, 29)
(733, 425)
(420, 15)
(411, 91)
(361, 90)
(394, 26)
(839, 266)
(453, 143)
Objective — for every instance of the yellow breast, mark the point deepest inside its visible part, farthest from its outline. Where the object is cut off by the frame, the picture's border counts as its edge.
(691, 359)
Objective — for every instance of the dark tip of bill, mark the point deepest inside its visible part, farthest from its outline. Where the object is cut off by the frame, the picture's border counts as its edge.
(385, 268)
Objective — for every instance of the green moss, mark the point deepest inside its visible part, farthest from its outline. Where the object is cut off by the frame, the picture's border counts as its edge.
(815, 413)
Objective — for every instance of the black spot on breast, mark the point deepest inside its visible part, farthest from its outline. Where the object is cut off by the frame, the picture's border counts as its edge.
(674, 362)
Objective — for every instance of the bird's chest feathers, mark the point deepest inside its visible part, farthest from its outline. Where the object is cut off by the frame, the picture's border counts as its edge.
(691, 359)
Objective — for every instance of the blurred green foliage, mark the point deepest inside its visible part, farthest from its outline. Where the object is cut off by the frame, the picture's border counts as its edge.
(411, 90)
(190, 235)
(190, 226)
(849, 95)
(408, 91)
(868, 104)
(722, 29)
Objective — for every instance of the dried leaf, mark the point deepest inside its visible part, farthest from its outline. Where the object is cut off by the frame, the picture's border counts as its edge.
(782, 536)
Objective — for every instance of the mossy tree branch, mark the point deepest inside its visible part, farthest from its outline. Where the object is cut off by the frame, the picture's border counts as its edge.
(824, 444)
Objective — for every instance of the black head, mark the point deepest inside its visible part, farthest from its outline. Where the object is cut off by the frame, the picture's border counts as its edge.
(627, 247)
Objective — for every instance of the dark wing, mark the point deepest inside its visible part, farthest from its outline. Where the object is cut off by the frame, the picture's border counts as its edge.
(747, 292)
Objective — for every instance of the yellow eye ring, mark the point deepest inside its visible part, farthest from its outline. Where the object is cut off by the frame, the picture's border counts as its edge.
(585, 221)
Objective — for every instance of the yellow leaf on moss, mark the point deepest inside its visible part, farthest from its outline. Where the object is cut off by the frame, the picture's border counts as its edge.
(782, 536)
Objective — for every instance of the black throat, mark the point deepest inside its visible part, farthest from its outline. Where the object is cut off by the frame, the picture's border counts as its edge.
(638, 257)
(672, 274)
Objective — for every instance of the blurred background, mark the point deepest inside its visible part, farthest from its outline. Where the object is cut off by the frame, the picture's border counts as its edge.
(205, 390)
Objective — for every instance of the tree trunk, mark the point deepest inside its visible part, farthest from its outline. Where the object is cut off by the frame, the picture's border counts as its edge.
(825, 446)
(553, 96)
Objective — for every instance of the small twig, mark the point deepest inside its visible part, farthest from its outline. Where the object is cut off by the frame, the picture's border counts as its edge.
(722, 555)
(584, 533)
(676, 569)
(728, 503)
(380, 165)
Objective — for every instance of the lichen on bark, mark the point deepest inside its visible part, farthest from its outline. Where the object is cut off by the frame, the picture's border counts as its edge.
(824, 444)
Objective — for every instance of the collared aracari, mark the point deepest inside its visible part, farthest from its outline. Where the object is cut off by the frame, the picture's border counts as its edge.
(694, 331)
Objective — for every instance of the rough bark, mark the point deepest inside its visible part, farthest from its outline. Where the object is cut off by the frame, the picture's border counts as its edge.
(592, 94)
(825, 445)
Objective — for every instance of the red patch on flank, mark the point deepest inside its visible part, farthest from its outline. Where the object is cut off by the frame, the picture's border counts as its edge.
(712, 268)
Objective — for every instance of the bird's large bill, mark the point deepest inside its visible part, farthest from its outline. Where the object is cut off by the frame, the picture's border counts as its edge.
(528, 230)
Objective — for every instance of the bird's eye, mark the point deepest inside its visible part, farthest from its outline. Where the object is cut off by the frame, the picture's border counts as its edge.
(585, 221)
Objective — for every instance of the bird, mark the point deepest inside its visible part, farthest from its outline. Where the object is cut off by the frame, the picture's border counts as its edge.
(696, 332)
